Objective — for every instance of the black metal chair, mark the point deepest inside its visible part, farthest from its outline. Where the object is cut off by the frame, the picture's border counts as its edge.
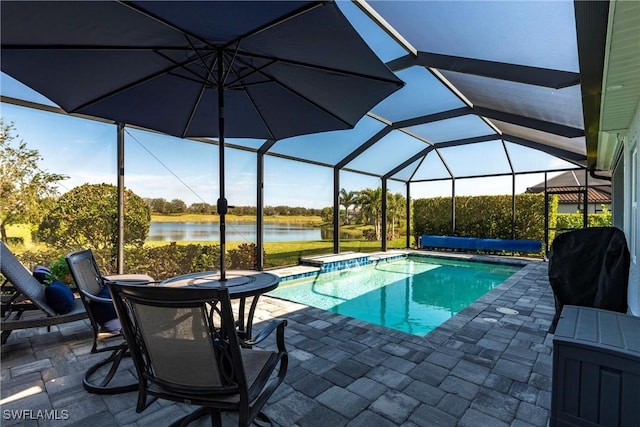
(589, 267)
(97, 300)
(185, 347)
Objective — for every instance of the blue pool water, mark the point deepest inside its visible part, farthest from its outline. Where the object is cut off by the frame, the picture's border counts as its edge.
(413, 295)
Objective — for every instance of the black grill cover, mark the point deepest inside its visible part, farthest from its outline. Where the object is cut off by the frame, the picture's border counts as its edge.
(590, 268)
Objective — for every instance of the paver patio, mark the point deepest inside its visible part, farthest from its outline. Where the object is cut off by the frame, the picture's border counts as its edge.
(480, 368)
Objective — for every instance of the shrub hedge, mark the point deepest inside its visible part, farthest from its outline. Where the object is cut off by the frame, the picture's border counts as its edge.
(483, 216)
(575, 220)
(160, 262)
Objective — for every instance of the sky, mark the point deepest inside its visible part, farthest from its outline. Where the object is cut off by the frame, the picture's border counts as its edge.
(159, 166)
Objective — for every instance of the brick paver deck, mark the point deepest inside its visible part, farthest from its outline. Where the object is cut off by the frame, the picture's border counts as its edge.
(480, 368)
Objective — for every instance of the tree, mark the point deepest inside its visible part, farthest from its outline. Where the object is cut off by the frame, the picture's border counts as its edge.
(201, 208)
(326, 214)
(396, 208)
(158, 205)
(87, 216)
(370, 202)
(177, 206)
(347, 199)
(24, 187)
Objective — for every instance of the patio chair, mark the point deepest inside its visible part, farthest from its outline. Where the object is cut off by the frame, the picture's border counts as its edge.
(26, 305)
(589, 267)
(107, 336)
(185, 348)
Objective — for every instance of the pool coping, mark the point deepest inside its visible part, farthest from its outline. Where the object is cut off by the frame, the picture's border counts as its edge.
(320, 264)
(472, 311)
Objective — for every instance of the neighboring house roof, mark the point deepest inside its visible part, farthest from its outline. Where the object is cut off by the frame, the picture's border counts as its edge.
(569, 186)
(595, 195)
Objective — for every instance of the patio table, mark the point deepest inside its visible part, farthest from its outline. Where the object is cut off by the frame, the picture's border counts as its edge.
(244, 285)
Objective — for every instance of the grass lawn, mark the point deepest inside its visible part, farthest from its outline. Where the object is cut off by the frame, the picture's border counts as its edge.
(287, 253)
(20, 231)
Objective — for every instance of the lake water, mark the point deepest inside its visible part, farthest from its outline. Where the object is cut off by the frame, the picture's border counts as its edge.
(236, 232)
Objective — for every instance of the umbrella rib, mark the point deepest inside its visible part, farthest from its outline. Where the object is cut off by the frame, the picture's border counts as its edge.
(233, 58)
(285, 18)
(157, 50)
(321, 68)
(139, 9)
(169, 70)
(254, 70)
(88, 47)
(276, 22)
(203, 85)
(265, 123)
(183, 66)
(298, 94)
(192, 113)
(142, 11)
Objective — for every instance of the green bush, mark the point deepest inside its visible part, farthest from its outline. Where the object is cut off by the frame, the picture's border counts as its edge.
(575, 220)
(483, 216)
(87, 216)
(15, 241)
(432, 216)
(160, 262)
(51, 258)
(244, 257)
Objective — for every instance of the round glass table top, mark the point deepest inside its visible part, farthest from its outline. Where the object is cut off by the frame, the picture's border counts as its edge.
(241, 283)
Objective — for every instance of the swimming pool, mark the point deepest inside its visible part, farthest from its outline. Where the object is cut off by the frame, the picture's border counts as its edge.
(414, 294)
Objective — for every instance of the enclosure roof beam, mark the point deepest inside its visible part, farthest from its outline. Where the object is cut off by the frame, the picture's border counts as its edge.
(542, 125)
(452, 143)
(567, 155)
(556, 79)
(430, 118)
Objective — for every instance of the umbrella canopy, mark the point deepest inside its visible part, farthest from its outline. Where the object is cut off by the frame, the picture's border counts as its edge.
(262, 69)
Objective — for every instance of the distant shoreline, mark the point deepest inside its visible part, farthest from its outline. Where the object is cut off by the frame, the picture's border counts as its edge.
(311, 221)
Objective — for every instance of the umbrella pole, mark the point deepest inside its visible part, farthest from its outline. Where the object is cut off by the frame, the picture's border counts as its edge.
(222, 206)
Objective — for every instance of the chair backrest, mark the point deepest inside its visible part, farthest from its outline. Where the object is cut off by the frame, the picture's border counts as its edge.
(85, 271)
(183, 339)
(23, 280)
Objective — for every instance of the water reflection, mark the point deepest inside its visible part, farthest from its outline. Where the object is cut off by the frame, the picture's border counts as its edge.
(241, 232)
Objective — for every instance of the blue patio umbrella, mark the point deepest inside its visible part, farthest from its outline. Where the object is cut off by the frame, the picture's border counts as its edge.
(250, 69)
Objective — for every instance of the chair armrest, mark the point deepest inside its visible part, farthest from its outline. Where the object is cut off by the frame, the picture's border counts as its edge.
(95, 298)
(129, 278)
(278, 324)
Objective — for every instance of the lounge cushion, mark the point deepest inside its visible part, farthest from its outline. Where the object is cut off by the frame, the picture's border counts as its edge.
(59, 297)
(42, 274)
(104, 312)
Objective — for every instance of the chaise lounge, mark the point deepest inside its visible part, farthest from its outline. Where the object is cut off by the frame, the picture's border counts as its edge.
(26, 307)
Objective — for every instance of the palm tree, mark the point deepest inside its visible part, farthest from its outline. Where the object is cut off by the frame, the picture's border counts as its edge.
(347, 199)
(395, 209)
(370, 202)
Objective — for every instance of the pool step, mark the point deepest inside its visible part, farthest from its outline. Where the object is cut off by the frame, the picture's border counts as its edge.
(335, 262)
(314, 265)
(348, 260)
